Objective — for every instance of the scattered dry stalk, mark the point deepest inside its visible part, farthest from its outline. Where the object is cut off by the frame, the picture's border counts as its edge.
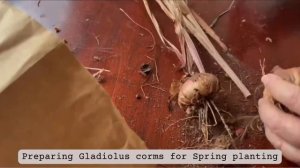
(262, 65)
(222, 119)
(98, 71)
(209, 31)
(142, 27)
(213, 23)
(97, 39)
(192, 51)
(189, 22)
(151, 85)
(165, 41)
(156, 69)
(197, 31)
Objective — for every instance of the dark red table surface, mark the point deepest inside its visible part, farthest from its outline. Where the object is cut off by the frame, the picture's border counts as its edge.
(122, 49)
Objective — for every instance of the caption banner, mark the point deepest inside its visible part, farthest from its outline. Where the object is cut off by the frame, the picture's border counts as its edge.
(149, 156)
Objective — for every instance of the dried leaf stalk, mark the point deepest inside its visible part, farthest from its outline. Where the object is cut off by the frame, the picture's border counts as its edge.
(188, 48)
(209, 31)
(193, 52)
(165, 41)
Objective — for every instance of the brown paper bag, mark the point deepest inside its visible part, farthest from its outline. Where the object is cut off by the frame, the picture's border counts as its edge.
(47, 99)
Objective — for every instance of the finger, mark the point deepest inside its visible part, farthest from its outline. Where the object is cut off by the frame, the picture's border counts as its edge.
(283, 91)
(291, 74)
(285, 125)
(275, 140)
(282, 73)
(289, 151)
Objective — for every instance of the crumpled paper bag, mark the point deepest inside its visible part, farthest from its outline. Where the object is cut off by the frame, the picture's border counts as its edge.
(47, 99)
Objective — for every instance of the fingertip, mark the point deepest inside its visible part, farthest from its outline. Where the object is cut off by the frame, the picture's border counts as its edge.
(267, 78)
(264, 79)
(261, 106)
(267, 111)
(283, 91)
(263, 101)
(275, 140)
(260, 101)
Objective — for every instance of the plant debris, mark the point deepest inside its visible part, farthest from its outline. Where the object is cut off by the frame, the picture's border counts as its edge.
(97, 39)
(262, 65)
(196, 91)
(145, 69)
(165, 41)
(151, 85)
(184, 20)
(97, 58)
(210, 31)
(57, 30)
(97, 73)
(156, 69)
(142, 27)
(268, 39)
(214, 22)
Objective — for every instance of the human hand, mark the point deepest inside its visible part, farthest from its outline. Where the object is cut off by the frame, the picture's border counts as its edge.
(282, 129)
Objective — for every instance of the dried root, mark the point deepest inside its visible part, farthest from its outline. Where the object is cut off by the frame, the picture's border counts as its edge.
(207, 110)
(252, 122)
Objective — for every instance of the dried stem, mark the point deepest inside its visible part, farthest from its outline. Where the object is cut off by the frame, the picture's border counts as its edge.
(156, 69)
(197, 31)
(180, 36)
(209, 31)
(97, 69)
(142, 89)
(200, 112)
(193, 52)
(150, 85)
(213, 23)
(142, 27)
(154, 21)
(223, 121)
(98, 72)
(97, 39)
(226, 112)
(212, 112)
(262, 65)
(189, 21)
(165, 41)
(161, 89)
